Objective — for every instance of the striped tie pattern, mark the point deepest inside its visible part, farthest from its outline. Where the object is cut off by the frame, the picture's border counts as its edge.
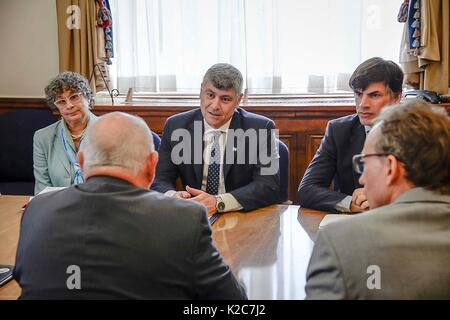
(212, 182)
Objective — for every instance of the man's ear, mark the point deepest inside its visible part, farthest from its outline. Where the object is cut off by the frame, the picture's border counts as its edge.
(80, 157)
(397, 98)
(396, 170)
(154, 157)
(239, 100)
(201, 90)
(152, 161)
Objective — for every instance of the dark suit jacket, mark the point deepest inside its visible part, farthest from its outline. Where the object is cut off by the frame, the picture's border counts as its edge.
(245, 182)
(332, 163)
(398, 251)
(129, 243)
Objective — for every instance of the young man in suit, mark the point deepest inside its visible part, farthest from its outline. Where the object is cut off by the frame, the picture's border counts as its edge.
(376, 83)
(400, 249)
(225, 156)
(111, 237)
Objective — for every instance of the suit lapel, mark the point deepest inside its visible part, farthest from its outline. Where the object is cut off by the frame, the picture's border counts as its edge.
(234, 124)
(197, 167)
(59, 148)
(356, 144)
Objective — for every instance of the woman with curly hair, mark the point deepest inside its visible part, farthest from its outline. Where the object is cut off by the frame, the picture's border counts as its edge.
(55, 147)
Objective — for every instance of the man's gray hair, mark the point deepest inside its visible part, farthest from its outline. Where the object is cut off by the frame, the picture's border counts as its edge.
(127, 146)
(224, 76)
(418, 134)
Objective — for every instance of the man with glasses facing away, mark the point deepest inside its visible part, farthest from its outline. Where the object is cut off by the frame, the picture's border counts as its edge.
(376, 83)
(401, 248)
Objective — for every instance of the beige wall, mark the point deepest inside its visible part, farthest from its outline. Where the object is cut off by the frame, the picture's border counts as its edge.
(28, 47)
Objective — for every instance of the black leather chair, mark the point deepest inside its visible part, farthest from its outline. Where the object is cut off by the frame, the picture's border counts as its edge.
(284, 170)
(156, 140)
(17, 128)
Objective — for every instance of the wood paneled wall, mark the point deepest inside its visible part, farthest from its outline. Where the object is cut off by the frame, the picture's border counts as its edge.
(301, 127)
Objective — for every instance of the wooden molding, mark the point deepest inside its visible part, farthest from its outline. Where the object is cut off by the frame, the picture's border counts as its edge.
(301, 127)
(38, 103)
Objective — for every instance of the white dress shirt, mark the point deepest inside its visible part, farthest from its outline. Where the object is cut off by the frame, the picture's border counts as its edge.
(344, 204)
(231, 204)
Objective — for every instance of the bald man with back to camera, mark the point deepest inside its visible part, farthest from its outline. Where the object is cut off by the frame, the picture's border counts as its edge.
(111, 237)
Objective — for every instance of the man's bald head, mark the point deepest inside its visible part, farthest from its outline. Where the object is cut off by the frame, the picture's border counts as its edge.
(117, 140)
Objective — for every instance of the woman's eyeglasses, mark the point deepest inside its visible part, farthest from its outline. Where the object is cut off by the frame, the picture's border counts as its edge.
(73, 99)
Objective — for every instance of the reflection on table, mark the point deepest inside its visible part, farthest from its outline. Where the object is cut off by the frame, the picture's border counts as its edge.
(268, 249)
(10, 215)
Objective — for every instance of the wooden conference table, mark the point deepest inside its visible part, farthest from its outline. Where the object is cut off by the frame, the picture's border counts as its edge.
(267, 249)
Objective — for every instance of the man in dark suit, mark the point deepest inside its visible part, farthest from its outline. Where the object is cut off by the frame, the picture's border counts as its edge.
(376, 83)
(400, 249)
(111, 237)
(225, 156)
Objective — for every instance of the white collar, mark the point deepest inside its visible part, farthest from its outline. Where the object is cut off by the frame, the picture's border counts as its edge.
(223, 128)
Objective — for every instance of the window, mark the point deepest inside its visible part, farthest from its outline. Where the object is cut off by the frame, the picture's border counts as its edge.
(280, 46)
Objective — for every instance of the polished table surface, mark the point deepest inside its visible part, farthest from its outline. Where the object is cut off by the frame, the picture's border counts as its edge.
(10, 215)
(267, 249)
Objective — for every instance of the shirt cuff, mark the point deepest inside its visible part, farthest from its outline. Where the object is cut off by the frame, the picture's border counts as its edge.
(170, 193)
(231, 204)
(344, 204)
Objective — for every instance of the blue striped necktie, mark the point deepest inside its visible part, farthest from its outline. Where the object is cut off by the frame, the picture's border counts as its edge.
(212, 182)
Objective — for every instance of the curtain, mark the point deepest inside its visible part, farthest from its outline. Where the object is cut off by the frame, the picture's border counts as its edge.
(285, 46)
(429, 69)
(81, 42)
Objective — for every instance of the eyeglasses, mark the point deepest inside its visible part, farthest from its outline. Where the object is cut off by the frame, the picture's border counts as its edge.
(73, 99)
(358, 162)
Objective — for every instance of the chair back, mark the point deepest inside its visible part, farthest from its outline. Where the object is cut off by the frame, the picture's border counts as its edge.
(156, 140)
(284, 170)
(17, 128)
